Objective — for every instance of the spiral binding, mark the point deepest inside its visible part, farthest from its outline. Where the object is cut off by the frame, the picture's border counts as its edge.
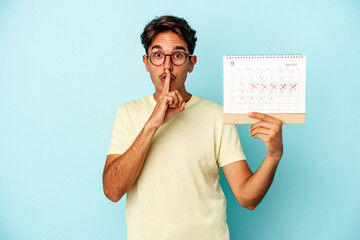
(244, 56)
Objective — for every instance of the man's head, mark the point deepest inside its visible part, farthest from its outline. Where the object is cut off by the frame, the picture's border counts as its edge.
(169, 24)
(169, 43)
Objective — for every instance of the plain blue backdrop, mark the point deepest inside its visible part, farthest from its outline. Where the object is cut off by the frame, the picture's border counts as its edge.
(66, 65)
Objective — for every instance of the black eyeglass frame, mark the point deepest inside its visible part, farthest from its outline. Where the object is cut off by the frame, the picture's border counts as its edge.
(170, 55)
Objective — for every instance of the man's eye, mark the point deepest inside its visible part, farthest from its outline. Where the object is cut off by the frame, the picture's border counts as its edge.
(178, 55)
(158, 55)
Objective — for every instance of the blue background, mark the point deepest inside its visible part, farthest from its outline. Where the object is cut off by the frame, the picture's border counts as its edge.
(66, 65)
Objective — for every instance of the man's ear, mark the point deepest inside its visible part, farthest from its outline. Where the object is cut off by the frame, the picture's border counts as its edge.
(193, 61)
(145, 60)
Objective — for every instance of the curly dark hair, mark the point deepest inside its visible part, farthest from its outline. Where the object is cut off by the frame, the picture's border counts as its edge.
(169, 23)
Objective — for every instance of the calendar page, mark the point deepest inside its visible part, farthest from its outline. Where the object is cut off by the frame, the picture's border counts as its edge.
(267, 84)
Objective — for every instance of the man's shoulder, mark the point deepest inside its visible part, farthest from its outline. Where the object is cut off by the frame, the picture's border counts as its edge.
(138, 103)
(206, 103)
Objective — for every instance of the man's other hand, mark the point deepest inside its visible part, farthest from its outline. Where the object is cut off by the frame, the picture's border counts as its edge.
(268, 129)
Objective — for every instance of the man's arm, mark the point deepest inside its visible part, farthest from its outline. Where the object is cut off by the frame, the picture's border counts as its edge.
(250, 188)
(121, 171)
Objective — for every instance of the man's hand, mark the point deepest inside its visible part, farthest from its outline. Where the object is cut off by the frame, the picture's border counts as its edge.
(168, 104)
(268, 129)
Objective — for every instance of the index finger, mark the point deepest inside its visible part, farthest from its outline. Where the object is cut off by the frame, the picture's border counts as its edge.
(166, 86)
(264, 117)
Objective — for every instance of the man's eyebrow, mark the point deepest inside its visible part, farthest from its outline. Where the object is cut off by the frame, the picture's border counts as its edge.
(156, 46)
(175, 48)
(179, 48)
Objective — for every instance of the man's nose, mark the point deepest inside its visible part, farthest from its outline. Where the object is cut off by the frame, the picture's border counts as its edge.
(168, 64)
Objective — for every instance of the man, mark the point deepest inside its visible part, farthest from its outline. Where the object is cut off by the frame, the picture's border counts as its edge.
(166, 148)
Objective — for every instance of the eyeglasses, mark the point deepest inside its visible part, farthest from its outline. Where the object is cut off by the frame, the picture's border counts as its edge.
(177, 58)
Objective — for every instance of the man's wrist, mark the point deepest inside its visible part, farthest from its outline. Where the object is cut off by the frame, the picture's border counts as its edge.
(274, 157)
(150, 128)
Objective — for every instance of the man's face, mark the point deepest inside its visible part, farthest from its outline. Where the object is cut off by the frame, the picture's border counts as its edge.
(168, 43)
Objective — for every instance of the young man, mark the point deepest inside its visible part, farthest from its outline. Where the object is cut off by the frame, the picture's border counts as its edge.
(166, 148)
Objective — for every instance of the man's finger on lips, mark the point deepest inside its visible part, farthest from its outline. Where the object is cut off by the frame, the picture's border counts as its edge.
(166, 86)
(264, 117)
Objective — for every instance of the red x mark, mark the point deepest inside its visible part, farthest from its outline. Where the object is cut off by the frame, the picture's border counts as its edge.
(264, 86)
(254, 86)
(273, 86)
(283, 86)
(293, 86)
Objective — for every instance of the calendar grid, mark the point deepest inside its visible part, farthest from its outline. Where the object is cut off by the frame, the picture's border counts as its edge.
(264, 84)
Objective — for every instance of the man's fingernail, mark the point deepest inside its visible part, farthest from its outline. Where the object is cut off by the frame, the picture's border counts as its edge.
(250, 113)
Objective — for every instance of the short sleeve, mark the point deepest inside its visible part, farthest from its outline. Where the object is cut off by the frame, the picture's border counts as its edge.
(230, 149)
(120, 137)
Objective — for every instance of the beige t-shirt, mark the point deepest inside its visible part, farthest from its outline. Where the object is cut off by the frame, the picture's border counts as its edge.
(177, 194)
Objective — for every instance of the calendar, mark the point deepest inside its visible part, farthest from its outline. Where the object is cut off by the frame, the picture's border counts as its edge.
(271, 84)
